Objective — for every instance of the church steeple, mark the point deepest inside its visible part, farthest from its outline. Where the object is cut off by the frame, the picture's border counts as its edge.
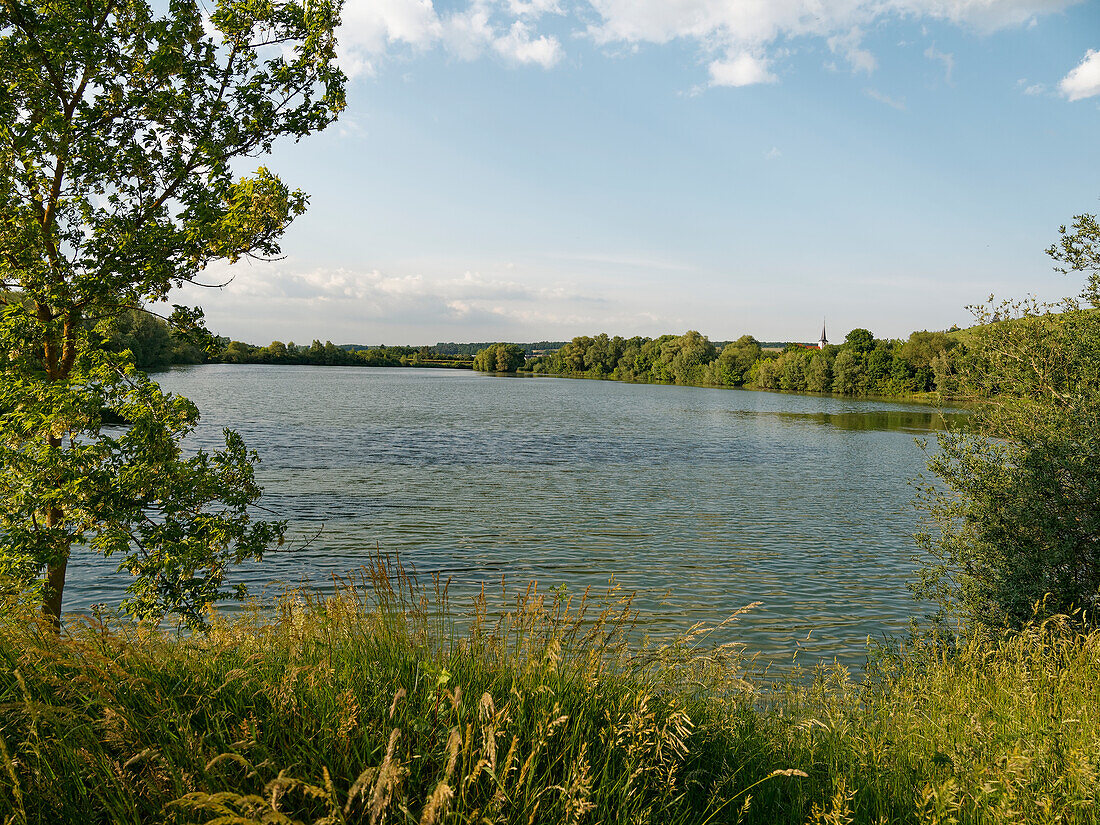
(824, 342)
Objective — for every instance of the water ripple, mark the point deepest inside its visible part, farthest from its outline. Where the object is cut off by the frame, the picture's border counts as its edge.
(699, 500)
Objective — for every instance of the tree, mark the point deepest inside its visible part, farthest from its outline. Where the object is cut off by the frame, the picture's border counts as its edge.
(1015, 520)
(819, 377)
(500, 358)
(601, 355)
(766, 373)
(1079, 251)
(923, 347)
(119, 131)
(848, 374)
(877, 362)
(275, 352)
(859, 340)
(572, 354)
(735, 360)
(237, 352)
(684, 358)
(793, 366)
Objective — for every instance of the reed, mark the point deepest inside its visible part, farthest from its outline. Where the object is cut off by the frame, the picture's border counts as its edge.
(383, 703)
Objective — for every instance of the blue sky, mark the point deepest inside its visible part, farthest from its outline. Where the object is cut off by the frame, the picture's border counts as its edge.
(511, 170)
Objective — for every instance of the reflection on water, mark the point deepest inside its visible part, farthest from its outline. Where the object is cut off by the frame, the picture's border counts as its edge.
(906, 421)
(716, 498)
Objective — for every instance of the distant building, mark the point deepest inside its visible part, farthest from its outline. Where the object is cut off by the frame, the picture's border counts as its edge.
(824, 342)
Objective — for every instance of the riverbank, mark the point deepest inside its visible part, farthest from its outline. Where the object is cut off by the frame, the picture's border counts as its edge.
(931, 399)
(372, 707)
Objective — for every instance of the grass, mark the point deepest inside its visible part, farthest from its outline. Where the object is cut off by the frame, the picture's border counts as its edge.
(370, 706)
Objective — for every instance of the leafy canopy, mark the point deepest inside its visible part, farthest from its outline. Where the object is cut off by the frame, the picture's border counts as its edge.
(1016, 519)
(120, 131)
(500, 358)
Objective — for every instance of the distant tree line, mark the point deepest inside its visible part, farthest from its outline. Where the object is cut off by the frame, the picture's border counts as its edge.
(155, 343)
(529, 350)
(329, 354)
(862, 365)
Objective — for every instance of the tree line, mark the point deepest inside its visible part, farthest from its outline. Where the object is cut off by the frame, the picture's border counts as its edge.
(530, 349)
(153, 343)
(862, 365)
(329, 354)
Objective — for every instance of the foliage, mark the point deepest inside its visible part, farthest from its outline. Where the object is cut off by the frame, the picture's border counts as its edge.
(1079, 251)
(530, 349)
(860, 340)
(734, 361)
(151, 341)
(862, 366)
(500, 358)
(175, 523)
(331, 355)
(370, 707)
(119, 130)
(927, 362)
(1015, 520)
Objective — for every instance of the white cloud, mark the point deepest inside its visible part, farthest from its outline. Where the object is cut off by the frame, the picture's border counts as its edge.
(755, 26)
(848, 45)
(533, 8)
(1084, 80)
(300, 302)
(468, 33)
(948, 61)
(773, 154)
(987, 15)
(290, 300)
(874, 94)
(742, 70)
(737, 38)
(725, 22)
(518, 45)
(370, 27)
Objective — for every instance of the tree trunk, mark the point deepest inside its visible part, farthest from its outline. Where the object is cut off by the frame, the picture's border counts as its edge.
(55, 571)
(55, 577)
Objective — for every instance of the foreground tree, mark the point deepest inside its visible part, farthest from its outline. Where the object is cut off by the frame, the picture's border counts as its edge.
(1016, 520)
(119, 129)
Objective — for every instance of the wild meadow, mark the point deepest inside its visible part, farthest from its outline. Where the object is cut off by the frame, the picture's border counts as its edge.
(385, 703)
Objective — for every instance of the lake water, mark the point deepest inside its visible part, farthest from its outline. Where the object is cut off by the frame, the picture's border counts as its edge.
(700, 500)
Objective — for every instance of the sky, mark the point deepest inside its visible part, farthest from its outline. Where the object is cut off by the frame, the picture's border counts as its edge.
(525, 170)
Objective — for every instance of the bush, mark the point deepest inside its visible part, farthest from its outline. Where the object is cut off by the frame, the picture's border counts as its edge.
(1015, 518)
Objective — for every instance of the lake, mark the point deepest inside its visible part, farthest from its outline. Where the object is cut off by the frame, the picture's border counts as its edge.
(700, 500)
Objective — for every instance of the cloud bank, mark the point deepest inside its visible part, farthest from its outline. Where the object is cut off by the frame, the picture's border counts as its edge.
(737, 39)
(370, 306)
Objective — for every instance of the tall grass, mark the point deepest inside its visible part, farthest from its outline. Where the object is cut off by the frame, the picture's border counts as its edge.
(374, 706)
